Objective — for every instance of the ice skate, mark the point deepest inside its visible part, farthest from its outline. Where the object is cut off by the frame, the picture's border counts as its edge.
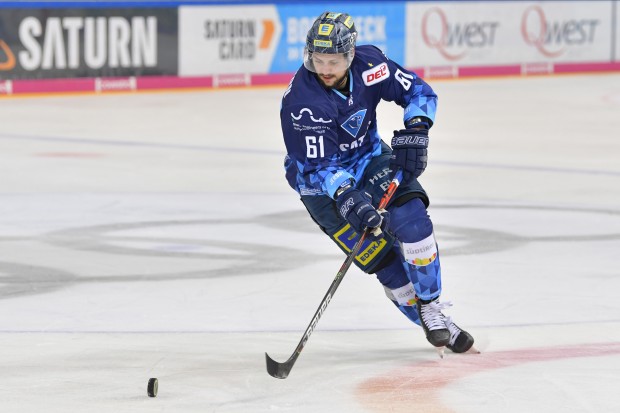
(433, 323)
(460, 340)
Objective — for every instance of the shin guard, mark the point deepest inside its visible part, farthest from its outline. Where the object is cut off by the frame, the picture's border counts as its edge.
(408, 308)
(413, 228)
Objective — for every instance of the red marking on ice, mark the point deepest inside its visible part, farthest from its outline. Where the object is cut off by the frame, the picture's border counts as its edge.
(416, 387)
(613, 98)
(70, 155)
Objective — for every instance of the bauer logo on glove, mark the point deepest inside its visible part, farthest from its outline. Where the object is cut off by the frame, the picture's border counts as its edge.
(420, 140)
(409, 152)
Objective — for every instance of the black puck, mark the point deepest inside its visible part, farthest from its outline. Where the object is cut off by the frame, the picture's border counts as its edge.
(151, 389)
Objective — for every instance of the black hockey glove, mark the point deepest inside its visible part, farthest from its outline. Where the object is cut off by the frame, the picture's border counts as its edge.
(409, 152)
(355, 207)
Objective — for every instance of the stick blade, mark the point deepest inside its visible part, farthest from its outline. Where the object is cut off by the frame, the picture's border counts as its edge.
(278, 370)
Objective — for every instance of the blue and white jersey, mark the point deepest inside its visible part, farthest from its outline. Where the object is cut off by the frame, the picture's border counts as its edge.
(330, 137)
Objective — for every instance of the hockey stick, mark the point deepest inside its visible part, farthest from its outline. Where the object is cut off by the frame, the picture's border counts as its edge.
(282, 370)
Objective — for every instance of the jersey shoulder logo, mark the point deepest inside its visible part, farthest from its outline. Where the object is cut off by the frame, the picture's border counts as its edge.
(353, 124)
(376, 74)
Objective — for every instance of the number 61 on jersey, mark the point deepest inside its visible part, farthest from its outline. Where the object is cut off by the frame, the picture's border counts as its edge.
(314, 147)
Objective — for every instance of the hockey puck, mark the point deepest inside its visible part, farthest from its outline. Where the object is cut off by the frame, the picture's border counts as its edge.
(151, 389)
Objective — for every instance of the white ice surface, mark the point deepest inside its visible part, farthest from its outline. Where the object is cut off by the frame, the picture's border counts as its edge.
(153, 235)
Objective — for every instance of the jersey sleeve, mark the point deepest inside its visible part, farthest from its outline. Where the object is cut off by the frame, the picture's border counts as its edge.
(313, 158)
(410, 92)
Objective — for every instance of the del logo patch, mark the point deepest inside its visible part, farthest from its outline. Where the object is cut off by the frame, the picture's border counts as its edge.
(376, 74)
(354, 123)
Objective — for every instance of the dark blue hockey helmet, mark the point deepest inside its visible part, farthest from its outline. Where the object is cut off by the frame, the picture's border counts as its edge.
(331, 33)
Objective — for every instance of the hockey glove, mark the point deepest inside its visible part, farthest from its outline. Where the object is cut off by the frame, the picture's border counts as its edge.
(409, 152)
(355, 207)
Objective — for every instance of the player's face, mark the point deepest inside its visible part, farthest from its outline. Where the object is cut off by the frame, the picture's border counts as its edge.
(330, 68)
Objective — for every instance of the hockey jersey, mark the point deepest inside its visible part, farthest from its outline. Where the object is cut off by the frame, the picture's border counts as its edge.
(331, 138)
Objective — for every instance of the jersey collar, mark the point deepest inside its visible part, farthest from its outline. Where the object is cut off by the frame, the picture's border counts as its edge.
(350, 90)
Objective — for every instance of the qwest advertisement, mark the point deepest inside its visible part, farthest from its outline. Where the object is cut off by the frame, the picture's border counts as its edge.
(450, 33)
(271, 39)
(56, 43)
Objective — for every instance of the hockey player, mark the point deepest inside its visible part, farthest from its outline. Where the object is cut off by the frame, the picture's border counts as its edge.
(339, 165)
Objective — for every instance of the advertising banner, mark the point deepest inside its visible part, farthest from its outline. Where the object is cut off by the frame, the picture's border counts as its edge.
(100, 49)
(381, 24)
(473, 33)
(67, 43)
(227, 39)
(617, 29)
(260, 39)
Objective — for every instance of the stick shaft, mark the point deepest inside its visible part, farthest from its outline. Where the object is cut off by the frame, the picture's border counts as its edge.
(281, 370)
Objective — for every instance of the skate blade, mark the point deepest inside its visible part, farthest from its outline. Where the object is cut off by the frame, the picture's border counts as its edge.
(440, 351)
(473, 350)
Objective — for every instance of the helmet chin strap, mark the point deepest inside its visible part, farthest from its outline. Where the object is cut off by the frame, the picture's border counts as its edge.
(343, 83)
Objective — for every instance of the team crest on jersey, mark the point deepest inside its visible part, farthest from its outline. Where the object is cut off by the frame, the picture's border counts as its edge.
(376, 74)
(354, 123)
